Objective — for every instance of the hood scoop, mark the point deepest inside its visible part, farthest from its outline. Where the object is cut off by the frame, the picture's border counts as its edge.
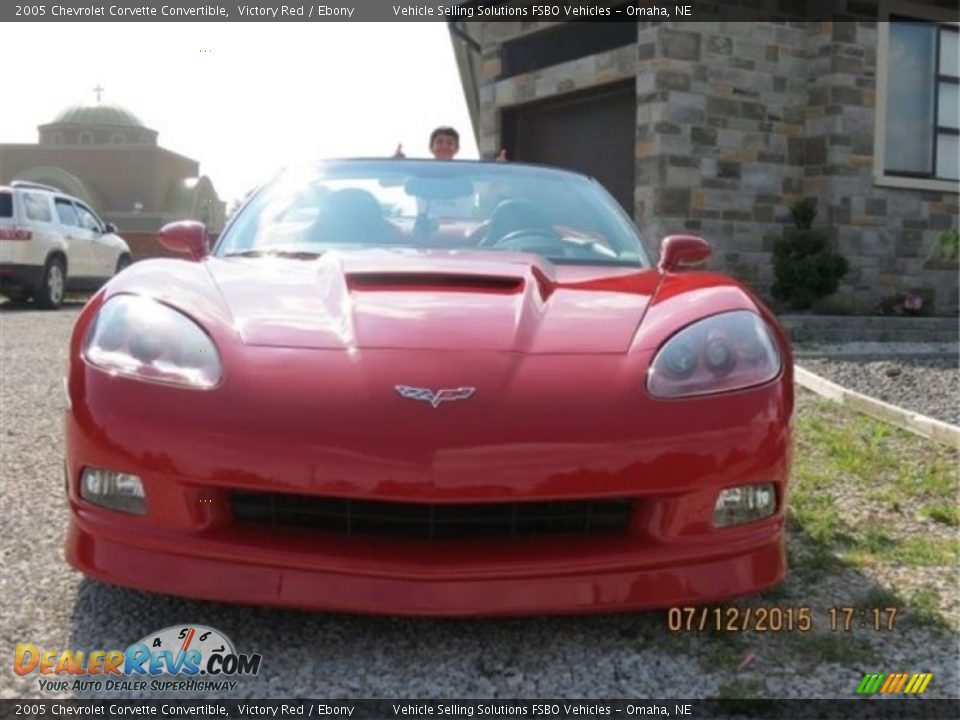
(433, 282)
(425, 300)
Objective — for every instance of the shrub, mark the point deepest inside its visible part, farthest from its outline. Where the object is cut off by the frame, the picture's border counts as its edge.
(804, 266)
(949, 244)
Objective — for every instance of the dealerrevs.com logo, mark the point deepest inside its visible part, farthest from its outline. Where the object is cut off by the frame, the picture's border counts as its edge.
(177, 658)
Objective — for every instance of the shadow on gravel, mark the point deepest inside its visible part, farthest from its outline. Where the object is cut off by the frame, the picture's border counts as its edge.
(341, 655)
(859, 625)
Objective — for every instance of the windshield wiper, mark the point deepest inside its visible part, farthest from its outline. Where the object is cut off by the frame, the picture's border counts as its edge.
(295, 254)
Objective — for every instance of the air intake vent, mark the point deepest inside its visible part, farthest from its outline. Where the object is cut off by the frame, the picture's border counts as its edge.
(386, 281)
(429, 521)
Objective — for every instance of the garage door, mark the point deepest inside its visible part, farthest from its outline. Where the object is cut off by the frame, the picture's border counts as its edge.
(590, 132)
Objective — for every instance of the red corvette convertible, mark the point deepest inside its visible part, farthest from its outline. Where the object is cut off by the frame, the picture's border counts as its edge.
(438, 388)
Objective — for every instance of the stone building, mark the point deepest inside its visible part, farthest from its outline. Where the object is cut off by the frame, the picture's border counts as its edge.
(106, 156)
(717, 128)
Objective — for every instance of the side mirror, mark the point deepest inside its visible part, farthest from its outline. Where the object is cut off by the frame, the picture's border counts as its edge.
(185, 236)
(110, 228)
(682, 249)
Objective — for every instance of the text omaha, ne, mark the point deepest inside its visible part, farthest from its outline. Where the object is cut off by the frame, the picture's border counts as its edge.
(559, 12)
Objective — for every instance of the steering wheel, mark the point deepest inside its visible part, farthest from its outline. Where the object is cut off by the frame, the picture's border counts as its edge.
(541, 233)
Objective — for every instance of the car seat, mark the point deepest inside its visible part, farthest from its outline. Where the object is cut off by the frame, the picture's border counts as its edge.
(353, 215)
(513, 215)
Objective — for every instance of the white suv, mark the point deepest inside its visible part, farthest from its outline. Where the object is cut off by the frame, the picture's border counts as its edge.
(51, 242)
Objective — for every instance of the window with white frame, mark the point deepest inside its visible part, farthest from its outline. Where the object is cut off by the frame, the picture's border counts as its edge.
(923, 101)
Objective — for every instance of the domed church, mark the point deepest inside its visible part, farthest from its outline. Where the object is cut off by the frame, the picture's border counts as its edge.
(105, 155)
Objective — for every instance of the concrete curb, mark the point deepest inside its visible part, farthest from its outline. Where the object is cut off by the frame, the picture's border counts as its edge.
(907, 419)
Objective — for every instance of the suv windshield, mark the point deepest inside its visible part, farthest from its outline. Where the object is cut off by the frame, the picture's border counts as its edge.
(6, 205)
(564, 217)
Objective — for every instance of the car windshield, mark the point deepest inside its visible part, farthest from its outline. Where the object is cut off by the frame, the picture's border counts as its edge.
(449, 205)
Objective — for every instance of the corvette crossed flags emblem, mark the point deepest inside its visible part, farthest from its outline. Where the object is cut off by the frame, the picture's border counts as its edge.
(434, 398)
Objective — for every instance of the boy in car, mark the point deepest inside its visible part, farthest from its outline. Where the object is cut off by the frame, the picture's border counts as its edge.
(444, 144)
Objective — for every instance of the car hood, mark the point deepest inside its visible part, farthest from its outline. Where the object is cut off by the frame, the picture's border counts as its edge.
(438, 300)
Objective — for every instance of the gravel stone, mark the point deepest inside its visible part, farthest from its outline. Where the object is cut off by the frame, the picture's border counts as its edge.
(340, 656)
(928, 385)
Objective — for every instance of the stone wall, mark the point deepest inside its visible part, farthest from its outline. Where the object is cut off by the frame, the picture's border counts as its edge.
(735, 121)
(717, 108)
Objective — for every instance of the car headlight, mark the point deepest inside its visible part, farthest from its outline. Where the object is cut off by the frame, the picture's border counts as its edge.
(147, 340)
(729, 351)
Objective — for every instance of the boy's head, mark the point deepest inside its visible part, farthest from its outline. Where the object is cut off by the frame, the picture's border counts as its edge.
(444, 143)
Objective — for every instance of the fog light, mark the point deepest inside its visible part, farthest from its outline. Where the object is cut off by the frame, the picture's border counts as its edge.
(744, 504)
(113, 490)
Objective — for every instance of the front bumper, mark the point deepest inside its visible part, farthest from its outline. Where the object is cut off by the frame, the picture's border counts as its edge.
(194, 450)
(422, 584)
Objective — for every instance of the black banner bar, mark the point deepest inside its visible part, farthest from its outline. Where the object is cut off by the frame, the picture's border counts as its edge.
(866, 708)
(441, 10)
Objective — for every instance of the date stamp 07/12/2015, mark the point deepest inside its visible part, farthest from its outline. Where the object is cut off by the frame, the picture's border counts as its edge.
(775, 618)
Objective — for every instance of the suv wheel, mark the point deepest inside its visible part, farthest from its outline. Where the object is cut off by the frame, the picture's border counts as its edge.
(52, 287)
(123, 262)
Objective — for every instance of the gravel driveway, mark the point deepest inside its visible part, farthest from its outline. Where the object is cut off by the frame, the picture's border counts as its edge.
(325, 655)
(928, 385)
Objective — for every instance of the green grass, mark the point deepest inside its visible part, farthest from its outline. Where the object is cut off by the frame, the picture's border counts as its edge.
(921, 610)
(888, 496)
(855, 448)
(933, 480)
(875, 541)
(835, 444)
(924, 610)
(924, 552)
(809, 563)
(819, 517)
(839, 451)
(878, 596)
(942, 513)
(813, 648)
(724, 650)
(877, 546)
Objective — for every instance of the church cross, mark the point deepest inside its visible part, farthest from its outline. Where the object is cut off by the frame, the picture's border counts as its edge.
(98, 90)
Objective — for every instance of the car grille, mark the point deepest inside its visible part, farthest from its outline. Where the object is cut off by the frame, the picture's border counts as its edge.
(430, 521)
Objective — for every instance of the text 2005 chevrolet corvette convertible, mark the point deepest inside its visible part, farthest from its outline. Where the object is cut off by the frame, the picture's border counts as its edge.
(423, 387)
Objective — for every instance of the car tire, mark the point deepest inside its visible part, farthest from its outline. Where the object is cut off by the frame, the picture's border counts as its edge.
(123, 262)
(53, 286)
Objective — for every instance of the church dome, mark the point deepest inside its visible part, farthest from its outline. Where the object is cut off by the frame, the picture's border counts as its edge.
(98, 114)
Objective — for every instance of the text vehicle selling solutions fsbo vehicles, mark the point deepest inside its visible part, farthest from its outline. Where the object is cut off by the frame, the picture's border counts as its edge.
(426, 387)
